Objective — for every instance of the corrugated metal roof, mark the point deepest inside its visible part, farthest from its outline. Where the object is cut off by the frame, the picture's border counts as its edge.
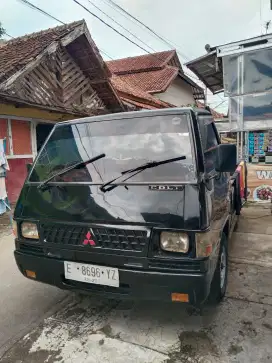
(209, 70)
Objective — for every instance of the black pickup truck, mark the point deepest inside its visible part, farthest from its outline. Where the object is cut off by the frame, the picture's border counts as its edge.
(137, 205)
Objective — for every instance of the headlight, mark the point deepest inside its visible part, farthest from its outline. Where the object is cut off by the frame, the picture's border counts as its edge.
(175, 242)
(29, 230)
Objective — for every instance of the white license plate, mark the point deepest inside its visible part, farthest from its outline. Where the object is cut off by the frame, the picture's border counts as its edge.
(92, 274)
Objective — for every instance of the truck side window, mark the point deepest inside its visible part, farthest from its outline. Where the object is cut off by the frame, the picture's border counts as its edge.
(209, 140)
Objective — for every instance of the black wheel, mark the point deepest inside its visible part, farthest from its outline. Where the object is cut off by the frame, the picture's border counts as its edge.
(220, 279)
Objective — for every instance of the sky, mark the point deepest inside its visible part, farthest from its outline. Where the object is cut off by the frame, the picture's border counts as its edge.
(187, 24)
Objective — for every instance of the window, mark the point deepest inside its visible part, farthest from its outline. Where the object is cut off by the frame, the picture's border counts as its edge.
(127, 143)
(209, 142)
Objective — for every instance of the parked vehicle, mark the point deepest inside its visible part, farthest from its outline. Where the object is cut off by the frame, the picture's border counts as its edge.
(136, 205)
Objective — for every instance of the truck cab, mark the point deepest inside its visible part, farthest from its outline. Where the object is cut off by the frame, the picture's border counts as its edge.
(136, 205)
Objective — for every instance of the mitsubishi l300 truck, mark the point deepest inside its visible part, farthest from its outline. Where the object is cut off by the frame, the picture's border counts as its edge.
(137, 205)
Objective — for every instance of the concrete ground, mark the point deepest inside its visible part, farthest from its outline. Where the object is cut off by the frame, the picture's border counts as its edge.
(23, 303)
(75, 329)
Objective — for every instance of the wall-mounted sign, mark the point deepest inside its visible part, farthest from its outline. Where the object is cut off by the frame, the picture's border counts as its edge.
(259, 182)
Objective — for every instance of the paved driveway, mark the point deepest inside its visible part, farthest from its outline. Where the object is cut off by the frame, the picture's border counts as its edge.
(94, 330)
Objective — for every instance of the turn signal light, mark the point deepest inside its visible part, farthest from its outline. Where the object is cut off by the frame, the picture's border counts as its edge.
(14, 229)
(31, 274)
(180, 297)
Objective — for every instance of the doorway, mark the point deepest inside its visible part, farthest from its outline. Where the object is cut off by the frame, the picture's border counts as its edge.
(42, 131)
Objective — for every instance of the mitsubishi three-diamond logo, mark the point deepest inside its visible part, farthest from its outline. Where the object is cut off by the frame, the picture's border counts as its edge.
(88, 240)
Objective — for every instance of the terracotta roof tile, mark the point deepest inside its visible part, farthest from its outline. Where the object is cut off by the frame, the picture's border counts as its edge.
(124, 87)
(141, 63)
(152, 81)
(138, 104)
(16, 53)
(152, 73)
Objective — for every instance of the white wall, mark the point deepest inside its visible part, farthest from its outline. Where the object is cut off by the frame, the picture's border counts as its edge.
(179, 93)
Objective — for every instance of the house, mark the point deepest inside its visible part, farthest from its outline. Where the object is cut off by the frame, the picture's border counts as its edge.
(134, 98)
(159, 75)
(46, 77)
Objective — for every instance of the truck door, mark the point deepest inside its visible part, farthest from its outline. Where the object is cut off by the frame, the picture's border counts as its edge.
(217, 184)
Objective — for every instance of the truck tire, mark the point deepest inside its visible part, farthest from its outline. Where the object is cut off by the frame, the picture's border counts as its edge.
(220, 278)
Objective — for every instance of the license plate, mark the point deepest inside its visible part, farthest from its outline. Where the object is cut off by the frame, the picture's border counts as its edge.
(92, 274)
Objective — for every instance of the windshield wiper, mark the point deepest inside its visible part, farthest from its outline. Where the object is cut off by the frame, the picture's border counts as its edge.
(43, 185)
(138, 169)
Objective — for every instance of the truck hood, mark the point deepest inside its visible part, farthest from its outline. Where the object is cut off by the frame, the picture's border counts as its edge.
(136, 205)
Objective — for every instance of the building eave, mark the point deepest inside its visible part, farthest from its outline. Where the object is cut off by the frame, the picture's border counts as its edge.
(6, 98)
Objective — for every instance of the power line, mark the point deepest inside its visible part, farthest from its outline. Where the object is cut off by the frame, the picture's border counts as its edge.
(128, 15)
(106, 54)
(163, 39)
(122, 11)
(215, 102)
(51, 16)
(116, 22)
(40, 10)
(122, 35)
(29, 4)
(219, 104)
(8, 35)
(115, 30)
(111, 27)
(32, 6)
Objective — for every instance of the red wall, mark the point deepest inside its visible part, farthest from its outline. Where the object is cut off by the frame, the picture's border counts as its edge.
(21, 140)
(16, 177)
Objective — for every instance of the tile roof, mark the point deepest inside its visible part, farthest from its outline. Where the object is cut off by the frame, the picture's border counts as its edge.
(136, 78)
(152, 81)
(139, 104)
(17, 53)
(147, 62)
(132, 91)
(152, 73)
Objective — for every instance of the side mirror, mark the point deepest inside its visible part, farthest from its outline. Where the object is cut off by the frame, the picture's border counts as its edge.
(225, 158)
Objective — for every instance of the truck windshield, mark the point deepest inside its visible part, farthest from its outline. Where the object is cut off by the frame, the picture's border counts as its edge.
(127, 144)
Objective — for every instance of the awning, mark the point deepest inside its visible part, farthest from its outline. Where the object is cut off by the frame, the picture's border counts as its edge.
(209, 67)
(209, 70)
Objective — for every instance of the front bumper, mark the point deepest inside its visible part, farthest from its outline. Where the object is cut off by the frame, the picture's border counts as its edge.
(134, 284)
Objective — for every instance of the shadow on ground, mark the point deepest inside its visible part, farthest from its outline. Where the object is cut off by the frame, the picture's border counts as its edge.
(95, 330)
